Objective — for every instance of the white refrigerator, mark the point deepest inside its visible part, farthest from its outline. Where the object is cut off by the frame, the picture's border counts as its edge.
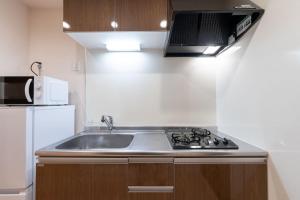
(23, 130)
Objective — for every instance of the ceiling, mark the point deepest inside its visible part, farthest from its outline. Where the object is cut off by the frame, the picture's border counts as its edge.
(44, 3)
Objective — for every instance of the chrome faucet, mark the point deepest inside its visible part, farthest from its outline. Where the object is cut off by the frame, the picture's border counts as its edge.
(108, 120)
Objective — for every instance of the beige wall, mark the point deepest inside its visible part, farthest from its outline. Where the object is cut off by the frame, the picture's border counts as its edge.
(13, 37)
(29, 35)
(258, 94)
(61, 56)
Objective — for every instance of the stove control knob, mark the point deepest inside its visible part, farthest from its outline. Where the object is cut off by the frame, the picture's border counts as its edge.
(225, 141)
(216, 141)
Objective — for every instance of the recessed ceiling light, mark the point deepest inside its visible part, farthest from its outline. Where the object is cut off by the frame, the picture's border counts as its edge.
(211, 50)
(163, 24)
(121, 46)
(114, 24)
(66, 25)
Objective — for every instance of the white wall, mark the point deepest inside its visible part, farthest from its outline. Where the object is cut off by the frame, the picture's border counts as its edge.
(59, 55)
(13, 37)
(146, 89)
(258, 92)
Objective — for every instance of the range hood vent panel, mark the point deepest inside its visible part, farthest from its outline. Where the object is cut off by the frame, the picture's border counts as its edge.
(202, 29)
(213, 29)
(185, 30)
(219, 23)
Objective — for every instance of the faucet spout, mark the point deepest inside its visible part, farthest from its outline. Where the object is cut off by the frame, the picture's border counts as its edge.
(108, 120)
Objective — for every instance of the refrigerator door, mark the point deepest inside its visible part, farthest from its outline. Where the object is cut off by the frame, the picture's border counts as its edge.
(16, 158)
(25, 195)
(52, 124)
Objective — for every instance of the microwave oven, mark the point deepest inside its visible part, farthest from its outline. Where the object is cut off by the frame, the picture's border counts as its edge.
(33, 90)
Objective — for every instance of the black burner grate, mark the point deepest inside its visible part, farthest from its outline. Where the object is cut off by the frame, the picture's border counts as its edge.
(198, 138)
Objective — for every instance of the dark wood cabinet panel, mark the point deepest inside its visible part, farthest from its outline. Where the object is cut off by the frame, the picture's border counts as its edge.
(151, 174)
(131, 15)
(256, 183)
(110, 182)
(141, 15)
(82, 182)
(221, 181)
(196, 179)
(64, 182)
(151, 196)
(89, 15)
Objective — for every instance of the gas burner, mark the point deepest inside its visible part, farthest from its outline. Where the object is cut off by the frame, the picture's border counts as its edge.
(200, 132)
(180, 138)
(197, 138)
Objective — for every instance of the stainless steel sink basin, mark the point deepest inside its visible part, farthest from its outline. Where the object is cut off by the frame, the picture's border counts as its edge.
(97, 141)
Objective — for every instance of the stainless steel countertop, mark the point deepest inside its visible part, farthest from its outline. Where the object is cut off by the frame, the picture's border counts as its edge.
(151, 143)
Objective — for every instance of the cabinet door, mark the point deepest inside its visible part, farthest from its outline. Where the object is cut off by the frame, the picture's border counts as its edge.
(82, 182)
(110, 182)
(151, 196)
(220, 181)
(64, 182)
(141, 15)
(151, 174)
(151, 179)
(89, 15)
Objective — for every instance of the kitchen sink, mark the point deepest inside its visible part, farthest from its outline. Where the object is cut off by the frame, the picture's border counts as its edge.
(97, 141)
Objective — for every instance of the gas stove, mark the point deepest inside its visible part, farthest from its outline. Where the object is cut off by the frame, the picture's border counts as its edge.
(197, 138)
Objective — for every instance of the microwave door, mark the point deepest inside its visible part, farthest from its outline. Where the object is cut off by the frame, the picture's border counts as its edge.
(16, 90)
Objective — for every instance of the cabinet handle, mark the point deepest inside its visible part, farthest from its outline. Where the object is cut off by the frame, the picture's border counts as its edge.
(151, 160)
(220, 160)
(151, 189)
(53, 160)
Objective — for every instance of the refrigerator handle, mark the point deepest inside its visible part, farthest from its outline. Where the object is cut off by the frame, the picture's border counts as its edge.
(27, 92)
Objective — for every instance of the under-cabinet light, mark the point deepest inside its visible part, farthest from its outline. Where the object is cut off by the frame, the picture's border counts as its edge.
(66, 25)
(123, 46)
(163, 24)
(211, 50)
(114, 24)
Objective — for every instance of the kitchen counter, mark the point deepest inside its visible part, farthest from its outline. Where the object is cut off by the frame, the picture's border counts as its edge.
(151, 143)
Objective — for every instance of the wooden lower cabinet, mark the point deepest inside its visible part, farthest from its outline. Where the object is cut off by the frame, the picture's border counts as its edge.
(154, 174)
(151, 196)
(81, 182)
(220, 181)
(156, 179)
(151, 179)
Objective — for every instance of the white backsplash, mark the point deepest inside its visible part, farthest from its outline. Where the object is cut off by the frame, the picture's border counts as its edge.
(144, 88)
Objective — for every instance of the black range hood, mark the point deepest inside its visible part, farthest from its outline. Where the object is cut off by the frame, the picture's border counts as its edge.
(208, 27)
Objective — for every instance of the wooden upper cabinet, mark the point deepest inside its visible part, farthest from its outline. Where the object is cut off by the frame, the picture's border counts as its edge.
(89, 15)
(131, 15)
(141, 15)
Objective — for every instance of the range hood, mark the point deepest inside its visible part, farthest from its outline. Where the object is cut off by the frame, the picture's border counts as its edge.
(208, 27)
